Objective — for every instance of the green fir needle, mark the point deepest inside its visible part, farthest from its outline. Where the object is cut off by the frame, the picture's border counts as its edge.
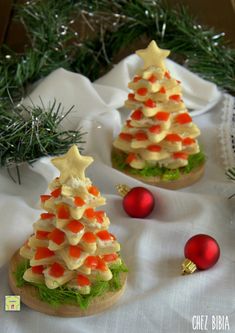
(112, 26)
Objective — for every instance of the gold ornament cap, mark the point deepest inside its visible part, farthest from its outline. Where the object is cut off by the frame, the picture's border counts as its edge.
(122, 189)
(188, 267)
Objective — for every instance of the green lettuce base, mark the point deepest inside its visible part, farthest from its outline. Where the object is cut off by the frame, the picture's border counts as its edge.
(164, 173)
(65, 295)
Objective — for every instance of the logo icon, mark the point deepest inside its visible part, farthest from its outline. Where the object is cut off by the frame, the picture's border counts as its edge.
(12, 303)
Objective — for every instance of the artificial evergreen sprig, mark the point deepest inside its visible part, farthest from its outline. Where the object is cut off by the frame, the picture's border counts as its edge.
(29, 132)
(202, 49)
(54, 41)
(47, 50)
(230, 173)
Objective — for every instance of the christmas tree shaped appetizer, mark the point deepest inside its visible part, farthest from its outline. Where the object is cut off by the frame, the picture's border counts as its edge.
(71, 259)
(158, 142)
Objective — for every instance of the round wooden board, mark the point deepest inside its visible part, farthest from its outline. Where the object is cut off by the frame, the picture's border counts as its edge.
(184, 180)
(28, 295)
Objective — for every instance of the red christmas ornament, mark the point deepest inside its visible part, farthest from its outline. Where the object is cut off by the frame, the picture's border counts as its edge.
(137, 202)
(201, 252)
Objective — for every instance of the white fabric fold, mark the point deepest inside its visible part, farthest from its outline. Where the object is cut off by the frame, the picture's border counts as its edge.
(199, 95)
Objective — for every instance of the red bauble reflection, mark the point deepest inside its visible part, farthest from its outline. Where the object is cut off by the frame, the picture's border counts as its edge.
(202, 250)
(138, 202)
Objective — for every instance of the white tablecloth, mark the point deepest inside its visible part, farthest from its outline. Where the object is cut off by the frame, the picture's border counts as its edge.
(157, 297)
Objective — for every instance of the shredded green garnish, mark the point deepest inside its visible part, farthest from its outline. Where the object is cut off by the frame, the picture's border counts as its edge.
(164, 173)
(171, 174)
(65, 295)
(194, 161)
(21, 268)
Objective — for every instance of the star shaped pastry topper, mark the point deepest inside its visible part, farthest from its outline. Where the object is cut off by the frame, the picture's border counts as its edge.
(153, 55)
(72, 164)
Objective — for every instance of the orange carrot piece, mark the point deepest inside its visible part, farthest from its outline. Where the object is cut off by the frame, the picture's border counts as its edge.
(167, 75)
(154, 148)
(137, 78)
(75, 226)
(44, 197)
(162, 90)
(137, 115)
(46, 216)
(125, 136)
(41, 234)
(56, 193)
(176, 98)
(37, 269)
(152, 78)
(110, 257)
(99, 215)
(188, 141)
(128, 123)
(183, 118)
(101, 265)
(74, 251)
(89, 237)
(57, 236)
(131, 97)
(173, 137)
(89, 213)
(180, 155)
(150, 103)
(162, 116)
(140, 136)
(79, 202)
(155, 129)
(142, 91)
(56, 270)
(91, 262)
(103, 235)
(82, 280)
(43, 252)
(63, 211)
(94, 190)
(131, 157)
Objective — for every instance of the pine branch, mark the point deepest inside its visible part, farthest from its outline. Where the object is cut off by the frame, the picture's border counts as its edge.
(204, 51)
(115, 24)
(29, 132)
(230, 173)
(54, 43)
